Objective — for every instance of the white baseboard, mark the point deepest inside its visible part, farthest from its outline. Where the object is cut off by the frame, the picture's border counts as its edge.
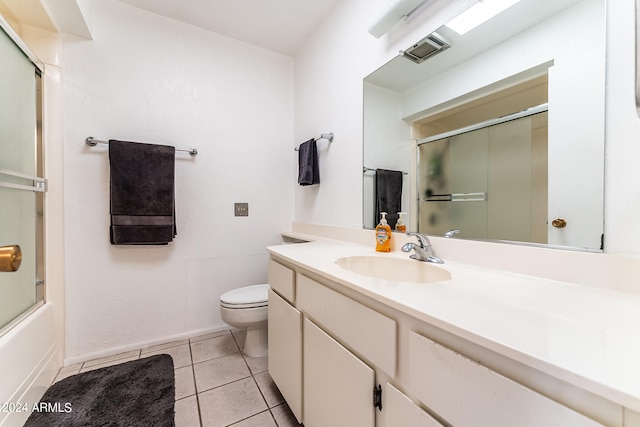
(143, 344)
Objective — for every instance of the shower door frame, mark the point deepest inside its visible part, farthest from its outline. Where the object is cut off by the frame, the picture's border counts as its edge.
(38, 184)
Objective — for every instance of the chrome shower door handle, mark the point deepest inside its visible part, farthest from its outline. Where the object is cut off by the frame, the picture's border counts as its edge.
(10, 258)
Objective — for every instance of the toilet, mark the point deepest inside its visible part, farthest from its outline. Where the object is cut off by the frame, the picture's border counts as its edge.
(246, 308)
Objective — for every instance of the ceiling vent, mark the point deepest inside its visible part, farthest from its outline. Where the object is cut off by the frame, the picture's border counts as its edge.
(431, 45)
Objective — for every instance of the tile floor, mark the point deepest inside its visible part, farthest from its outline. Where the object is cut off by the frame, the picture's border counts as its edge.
(216, 384)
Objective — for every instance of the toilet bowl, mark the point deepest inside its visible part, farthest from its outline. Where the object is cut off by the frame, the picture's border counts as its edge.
(246, 308)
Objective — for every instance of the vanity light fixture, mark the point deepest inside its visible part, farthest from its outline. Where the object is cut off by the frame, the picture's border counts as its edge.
(401, 10)
(478, 13)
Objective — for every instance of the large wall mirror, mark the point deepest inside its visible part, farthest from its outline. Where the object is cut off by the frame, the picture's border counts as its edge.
(500, 135)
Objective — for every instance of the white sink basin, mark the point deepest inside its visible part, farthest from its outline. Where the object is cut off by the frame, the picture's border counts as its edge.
(394, 269)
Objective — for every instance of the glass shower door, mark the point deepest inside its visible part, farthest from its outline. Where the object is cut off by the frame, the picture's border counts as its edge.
(21, 185)
(17, 239)
(490, 182)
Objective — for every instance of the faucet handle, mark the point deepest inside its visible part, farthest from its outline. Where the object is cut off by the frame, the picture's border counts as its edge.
(423, 240)
(452, 233)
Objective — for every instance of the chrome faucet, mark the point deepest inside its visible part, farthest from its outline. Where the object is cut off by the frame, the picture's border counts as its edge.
(452, 233)
(423, 249)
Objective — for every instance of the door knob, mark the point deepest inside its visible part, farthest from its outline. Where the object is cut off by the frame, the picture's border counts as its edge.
(559, 223)
(10, 258)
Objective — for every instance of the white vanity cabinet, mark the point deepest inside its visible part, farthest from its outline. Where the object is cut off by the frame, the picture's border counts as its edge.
(363, 330)
(401, 411)
(285, 350)
(285, 337)
(334, 352)
(465, 393)
(282, 280)
(338, 386)
(335, 387)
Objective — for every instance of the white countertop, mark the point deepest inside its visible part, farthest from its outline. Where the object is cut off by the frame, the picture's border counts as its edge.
(586, 336)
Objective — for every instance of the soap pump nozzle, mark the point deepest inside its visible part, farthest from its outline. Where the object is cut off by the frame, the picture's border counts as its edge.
(383, 220)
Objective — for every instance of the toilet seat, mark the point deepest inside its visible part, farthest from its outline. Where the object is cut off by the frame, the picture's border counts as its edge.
(254, 296)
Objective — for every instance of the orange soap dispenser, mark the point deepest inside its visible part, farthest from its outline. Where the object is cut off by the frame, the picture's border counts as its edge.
(383, 234)
(400, 225)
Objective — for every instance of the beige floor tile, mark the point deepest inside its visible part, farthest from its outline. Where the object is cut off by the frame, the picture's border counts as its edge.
(284, 417)
(187, 414)
(110, 363)
(257, 364)
(213, 347)
(108, 359)
(263, 419)
(211, 335)
(181, 355)
(269, 390)
(185, 384)
(239, 335)
(222, 370)
(212, 366)
(231, 403)
(156, 348)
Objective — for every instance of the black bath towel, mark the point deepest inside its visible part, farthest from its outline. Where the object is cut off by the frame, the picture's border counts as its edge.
(388, 195)
(142, 193)
(308, 170)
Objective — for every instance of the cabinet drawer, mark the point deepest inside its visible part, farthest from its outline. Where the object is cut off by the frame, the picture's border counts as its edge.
(366, 331)
(464, 393)
(282, 280)
(401, 411)
(285, 351)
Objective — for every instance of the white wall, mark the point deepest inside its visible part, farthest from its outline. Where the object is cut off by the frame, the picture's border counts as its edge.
(357, 54)
(328, 91)
(150, 79)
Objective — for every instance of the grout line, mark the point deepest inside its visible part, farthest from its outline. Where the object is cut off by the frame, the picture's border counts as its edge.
(195, 387)
(244, 419)
(253, 376)
(274, 417)
(199, 411)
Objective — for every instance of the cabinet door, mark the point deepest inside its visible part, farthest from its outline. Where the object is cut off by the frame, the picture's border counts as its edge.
(285, 351)
(400, 411)
(365, 331)
(338, 387)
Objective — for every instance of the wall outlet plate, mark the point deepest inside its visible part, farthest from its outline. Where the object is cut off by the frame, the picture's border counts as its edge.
(241, 209)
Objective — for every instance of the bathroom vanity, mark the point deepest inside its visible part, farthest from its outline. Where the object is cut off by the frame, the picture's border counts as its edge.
(356, 342)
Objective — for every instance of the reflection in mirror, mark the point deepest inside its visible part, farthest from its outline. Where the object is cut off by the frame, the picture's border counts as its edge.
(502, 134)
(490, 182)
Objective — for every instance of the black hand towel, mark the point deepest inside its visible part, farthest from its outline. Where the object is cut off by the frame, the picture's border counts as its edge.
(142, 193)
(388, 195)
(308, 171)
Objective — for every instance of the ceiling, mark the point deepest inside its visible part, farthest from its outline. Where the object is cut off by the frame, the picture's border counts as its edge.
(278, 25)
(29, 12)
